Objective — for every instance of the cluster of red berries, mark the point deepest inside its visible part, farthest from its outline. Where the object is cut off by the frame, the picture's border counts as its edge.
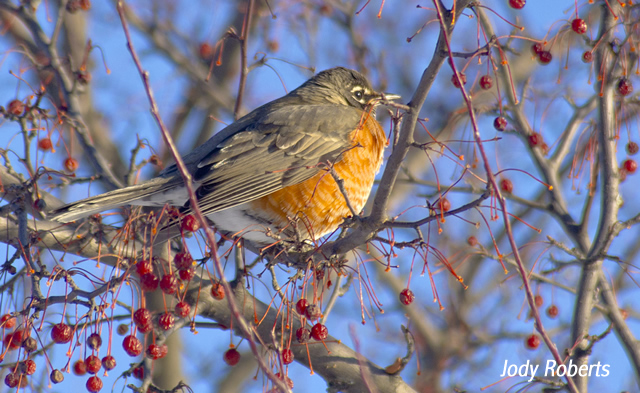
(544, 56)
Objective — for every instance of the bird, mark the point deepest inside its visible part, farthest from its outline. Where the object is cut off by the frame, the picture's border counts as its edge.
(274, 174)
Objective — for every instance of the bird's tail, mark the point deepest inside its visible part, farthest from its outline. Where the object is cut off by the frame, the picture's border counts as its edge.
(111, 200)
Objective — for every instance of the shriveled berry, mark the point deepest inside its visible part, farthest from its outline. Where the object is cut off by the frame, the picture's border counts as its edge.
(28, 367)
(122, 329)
(71, 164)
(545, 57)
(94, 384)
(517, 4)
(15, 107)
(132, 346)
(217, 291)
(587, 57)
(141, 317)
(486, 82)
(532, 341)
(500, 123)
(56, 376)
(302, 335)
(287, 356)
(166, 321)
(301, 306)
(109, 362)
(149, 282)
(94, 341)
(537, 48)
(286, 379)
(12, 380)
(632, 148)
(535, 139)
(183, 260)
(406, 296)
(138, 372)
(313, 312)
(183, 309)
(93, 363)
(625, 87)
(187, 274)
(79, 368)
(189, 223)
(463, 78)
(319, 332)
(61, 333)
(506, 186)
(155, 351)
(231, 357)
(30, 344)
(169, 284)
(579, 26)
(143, 267)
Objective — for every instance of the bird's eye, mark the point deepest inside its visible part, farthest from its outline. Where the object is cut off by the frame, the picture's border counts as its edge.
(358, 94)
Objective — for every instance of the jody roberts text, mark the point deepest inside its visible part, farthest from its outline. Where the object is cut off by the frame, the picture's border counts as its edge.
(552, 369)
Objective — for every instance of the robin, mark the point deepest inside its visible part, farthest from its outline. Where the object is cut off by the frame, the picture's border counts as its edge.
(274, 173)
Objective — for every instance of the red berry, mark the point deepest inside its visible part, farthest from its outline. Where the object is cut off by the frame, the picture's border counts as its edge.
(169, 284)
(472, 241)
(632, 148)
(537, 48)
(500, 123)
(587, 57)
(183, 309)
(486, 82)
(79, 368)
(407, 296)
(630, 165)
(166, 321)
(319, 332)
(187, 274)
(56, 376)
(538, 300)
(71, 164)
(444, 205)
(149, 282)
(287, 356)
(625, 87)
(12, 380)
(535, 139)
(506, 186)
(579, 26)
(109, 362)
(231, 357)
(15, 107)
(138, 372)
(217, 291)
(94, 341)
(183, 260)
(545, 57)
(14, 340)
(205, 51)
(285, 379)
(45, 144)
(532, 341)
(463, 78)
(61, 333)
(93, 363)
(301, 306)
(144, 329)
(313, 312)
(28, 367)
(517, 4)
(132, 345)
(94, 384)
(302, 335)
(7, 321)
(552, 311)
(189, 223)
(155, 351)
(144, 267)
(142, 317)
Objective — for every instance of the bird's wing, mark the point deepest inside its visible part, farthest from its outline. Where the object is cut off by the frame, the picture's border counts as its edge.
(276, 149)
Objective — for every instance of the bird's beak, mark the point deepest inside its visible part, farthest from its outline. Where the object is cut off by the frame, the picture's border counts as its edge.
(389, 97)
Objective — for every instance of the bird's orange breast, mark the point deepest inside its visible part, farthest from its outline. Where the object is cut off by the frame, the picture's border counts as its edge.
(316, 206)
